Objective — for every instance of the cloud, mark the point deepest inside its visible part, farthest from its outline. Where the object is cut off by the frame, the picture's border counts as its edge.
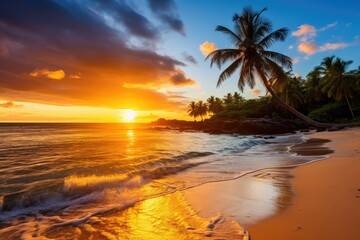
(179, 79)
(295, 60)
(132, 21)
(187, 57)
(61, 39)
(330, 25)
(305, 32)
(10, 105)
(255, 92)
(308, 47)
(311, 48)
(333, 46)
(57, 74)
(291, 46)
(4, 49)
(167, 12)
(207, 47)
(75, 75)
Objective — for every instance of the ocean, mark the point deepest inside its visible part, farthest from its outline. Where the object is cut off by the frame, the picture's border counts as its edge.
(121, 181)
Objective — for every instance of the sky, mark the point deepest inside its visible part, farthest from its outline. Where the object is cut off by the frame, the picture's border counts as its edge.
(92, 61)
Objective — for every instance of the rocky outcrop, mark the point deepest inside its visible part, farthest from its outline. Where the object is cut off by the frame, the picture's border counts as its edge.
(265, 126)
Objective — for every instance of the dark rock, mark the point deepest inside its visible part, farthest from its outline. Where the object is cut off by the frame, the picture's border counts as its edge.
(335, 128)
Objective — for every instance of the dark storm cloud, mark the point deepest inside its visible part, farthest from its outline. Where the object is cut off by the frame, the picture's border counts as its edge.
(135, 23)
(82, 41)
(166, 11)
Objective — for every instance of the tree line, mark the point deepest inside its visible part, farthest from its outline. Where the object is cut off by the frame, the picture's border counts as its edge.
(327, 87)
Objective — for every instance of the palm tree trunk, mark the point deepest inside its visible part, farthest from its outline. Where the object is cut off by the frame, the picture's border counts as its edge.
(348, 103)
(292, 110)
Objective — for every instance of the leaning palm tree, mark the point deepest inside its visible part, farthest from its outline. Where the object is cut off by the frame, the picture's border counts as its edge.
(252, 37)
(338, 84)
(192, 111)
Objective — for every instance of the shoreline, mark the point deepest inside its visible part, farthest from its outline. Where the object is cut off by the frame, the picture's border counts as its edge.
(326, 202)
(227, 198)
(242, 198)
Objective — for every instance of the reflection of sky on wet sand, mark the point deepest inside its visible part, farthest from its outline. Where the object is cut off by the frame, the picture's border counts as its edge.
(246, 200)
(165, 217)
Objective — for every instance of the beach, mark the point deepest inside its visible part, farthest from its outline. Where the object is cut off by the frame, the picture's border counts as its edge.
(319, 200)
(327, 196)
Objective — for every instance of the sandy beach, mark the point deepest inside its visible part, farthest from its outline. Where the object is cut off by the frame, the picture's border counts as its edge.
(327, 196)
(320, 200)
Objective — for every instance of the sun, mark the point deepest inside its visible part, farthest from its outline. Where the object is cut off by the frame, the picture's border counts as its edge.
(129, 115)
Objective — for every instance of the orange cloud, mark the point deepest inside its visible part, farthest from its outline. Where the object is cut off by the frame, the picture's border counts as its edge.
(311, 48)
(207, 47)
(75, 75)
(255, 92)
(57, 74)
(308, 47)
(305, 32)
(10, 105)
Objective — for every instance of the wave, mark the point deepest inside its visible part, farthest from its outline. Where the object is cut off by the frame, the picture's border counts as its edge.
(81, 188)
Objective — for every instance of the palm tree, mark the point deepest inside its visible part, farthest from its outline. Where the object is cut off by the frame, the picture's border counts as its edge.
(313, 91)
(337, 83)
(228, 99)
(192, 111)
(292, 92)
(218, 105)
(211, 104)
(201, 109)
(252, 37)
(325, 65)
(238, 100)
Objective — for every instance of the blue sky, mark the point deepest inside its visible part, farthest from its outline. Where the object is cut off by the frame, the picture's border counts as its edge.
(335, 22)
(99, 58)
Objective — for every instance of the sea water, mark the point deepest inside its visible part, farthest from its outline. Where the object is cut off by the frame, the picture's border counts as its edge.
(121, 181)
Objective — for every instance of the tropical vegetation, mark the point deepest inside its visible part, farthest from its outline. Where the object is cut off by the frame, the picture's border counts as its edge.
(328, 93)
(252, 37)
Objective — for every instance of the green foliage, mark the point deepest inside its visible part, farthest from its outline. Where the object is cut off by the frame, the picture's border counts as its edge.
(327, 94)
(330, 112)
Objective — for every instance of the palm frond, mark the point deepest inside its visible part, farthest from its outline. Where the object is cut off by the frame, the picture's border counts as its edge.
(279, 58)
(270, 39)
(220, 56)
(228, 71)
(233, 36)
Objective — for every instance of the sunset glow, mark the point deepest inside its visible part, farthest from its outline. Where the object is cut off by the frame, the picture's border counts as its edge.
(129, 116)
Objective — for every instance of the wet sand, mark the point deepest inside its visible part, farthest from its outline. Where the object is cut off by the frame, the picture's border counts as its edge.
(326, 203)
